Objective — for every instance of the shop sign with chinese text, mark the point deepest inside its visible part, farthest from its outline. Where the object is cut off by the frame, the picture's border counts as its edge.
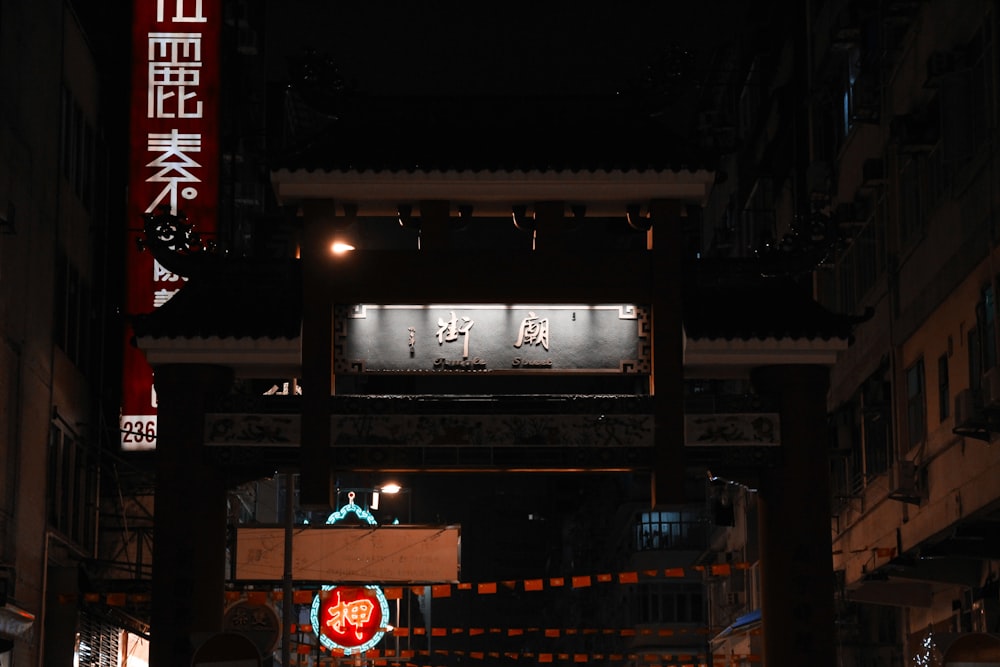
(509, 339)
(350, 619)
(173, 166)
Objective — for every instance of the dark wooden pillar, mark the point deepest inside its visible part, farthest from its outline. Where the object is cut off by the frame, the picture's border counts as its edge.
(319, 227)
(550, 225)
(435, 225)
(189, 538)
(796, 559)
(667, 353)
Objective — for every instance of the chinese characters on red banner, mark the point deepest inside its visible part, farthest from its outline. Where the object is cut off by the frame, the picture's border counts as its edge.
(173, 164)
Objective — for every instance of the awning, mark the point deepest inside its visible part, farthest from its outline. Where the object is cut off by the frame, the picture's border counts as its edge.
(743, 623)
(16, 622)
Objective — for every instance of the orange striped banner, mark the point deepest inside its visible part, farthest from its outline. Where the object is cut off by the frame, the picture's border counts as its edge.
(534, 585)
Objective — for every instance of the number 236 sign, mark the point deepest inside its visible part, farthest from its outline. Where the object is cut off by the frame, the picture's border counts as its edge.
(351, 619)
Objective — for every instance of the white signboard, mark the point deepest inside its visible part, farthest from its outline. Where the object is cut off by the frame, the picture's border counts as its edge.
(368, 554)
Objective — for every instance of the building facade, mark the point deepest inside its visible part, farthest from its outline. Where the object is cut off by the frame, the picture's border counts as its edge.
(56, 222)
(862, 153)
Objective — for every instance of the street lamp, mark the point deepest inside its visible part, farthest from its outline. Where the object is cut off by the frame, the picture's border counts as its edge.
(390, 488)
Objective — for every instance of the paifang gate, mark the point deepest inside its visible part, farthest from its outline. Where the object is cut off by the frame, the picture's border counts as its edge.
(434, 358)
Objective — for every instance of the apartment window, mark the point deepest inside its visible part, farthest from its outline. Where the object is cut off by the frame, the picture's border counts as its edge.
(67, 155)
(669, 530)
(848, 96)
(71, 319)
(981, 339)
(862, 263)
(911, 192)
(876, 425)
(847, 285)
(916, 419)
(862, 435)
(967, 95)
(986, 319)
(944, 394)
(938, 178)
(72, 486)
(669, 603)
(750, 101)
(78, 148)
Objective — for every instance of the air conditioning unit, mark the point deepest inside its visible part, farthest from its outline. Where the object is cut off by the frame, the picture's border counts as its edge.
(966, 409)
(903, 482)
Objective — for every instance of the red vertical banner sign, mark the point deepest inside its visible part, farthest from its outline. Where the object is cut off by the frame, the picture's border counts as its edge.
(173, 164)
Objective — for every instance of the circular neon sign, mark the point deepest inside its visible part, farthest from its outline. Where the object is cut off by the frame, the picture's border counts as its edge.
(351, 619)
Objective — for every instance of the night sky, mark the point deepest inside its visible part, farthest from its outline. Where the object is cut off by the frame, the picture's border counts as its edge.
(537, 47)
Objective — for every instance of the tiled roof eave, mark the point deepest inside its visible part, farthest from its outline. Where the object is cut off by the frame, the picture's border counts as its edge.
(249, 356)
(596, 187)
(754, 352)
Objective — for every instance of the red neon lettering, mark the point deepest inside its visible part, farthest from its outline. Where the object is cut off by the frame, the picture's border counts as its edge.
(356, 613)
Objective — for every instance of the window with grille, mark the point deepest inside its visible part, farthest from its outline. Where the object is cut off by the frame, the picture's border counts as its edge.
(71, 492)
(669, 603)
(72, 322)
(916, 403)
(669, 530)
(97, 642)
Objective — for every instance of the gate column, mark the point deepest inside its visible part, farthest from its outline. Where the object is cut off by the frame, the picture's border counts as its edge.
(796, 559)
(189, 538)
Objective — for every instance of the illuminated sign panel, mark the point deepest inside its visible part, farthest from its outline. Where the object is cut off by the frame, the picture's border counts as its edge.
(390, 554)
(173, 165)
(502, 339)
(350, 619)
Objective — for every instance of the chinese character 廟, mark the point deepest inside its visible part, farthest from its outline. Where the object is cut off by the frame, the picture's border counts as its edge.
(534, 331)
